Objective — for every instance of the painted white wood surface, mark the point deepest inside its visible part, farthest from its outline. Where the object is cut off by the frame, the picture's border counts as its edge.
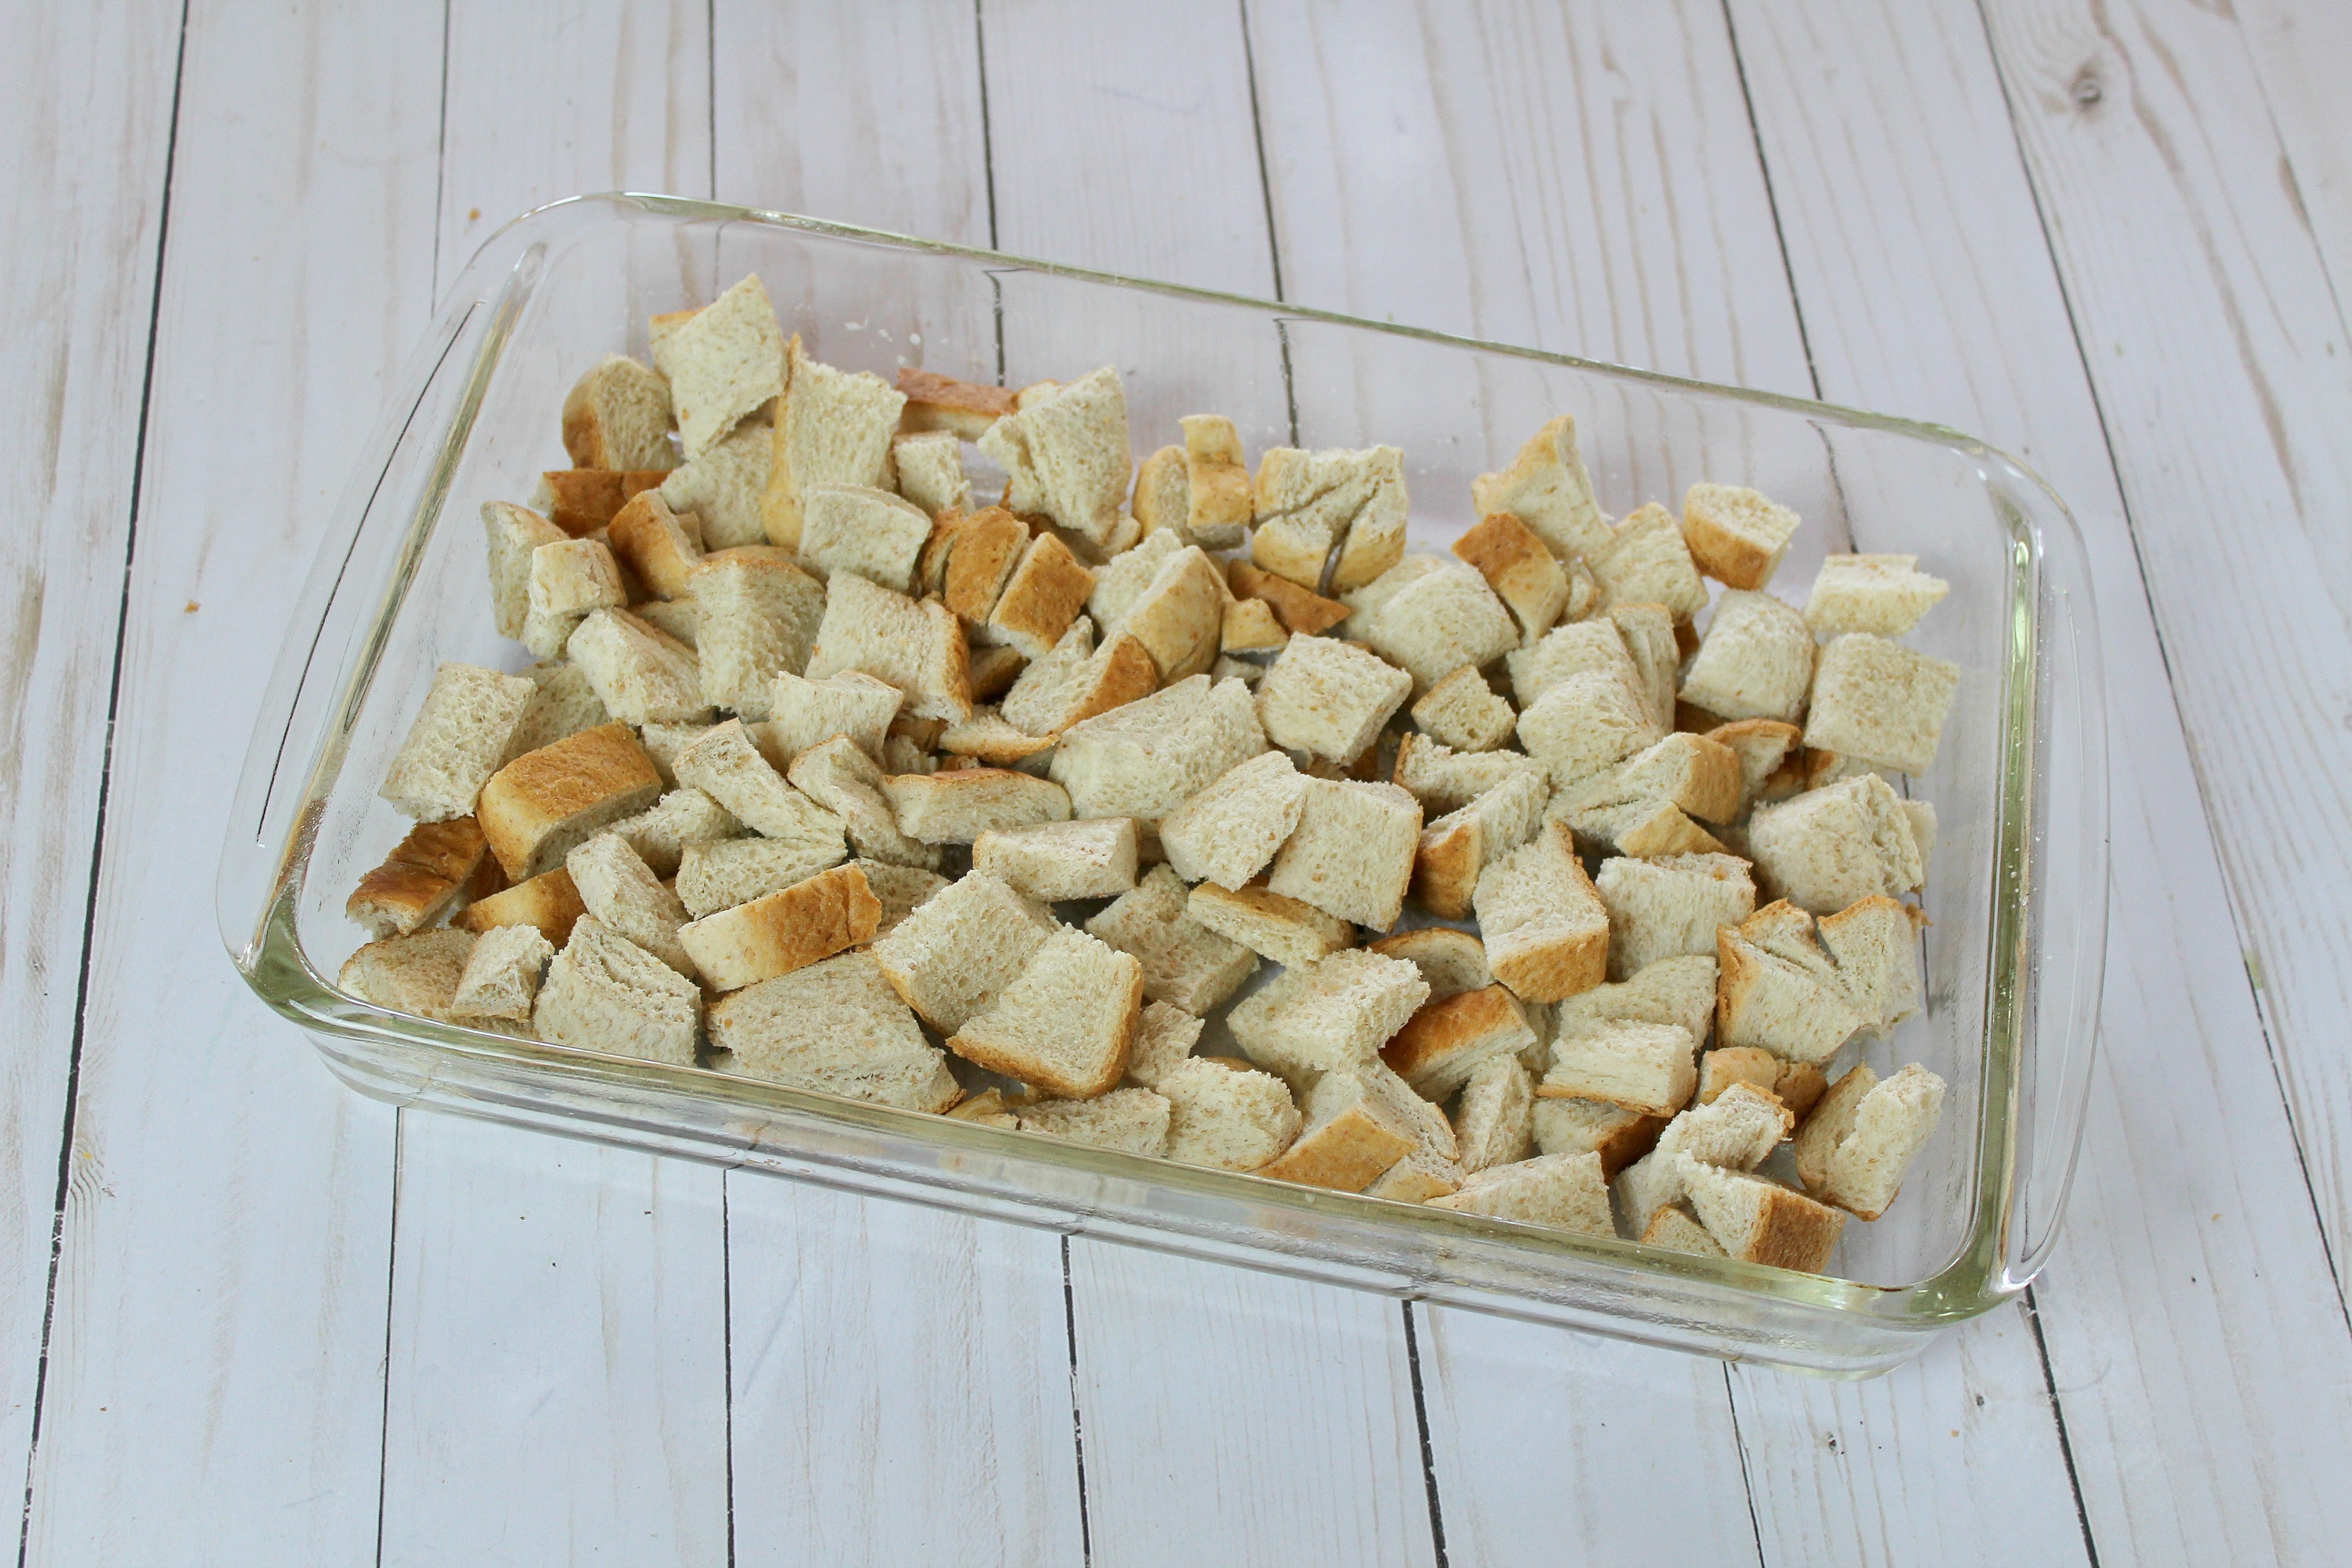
(1914, 303)
(2299, 53)
(215, 1388)
(86, 109)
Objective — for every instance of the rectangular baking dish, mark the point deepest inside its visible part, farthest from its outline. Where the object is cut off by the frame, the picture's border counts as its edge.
(2017, 889)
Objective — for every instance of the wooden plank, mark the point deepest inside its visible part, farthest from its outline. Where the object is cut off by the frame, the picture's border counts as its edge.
(216, 1383)
(1623, 217)
(2195, 1358)
(558, 1362)
(572, 1296)
(901, 1384)
(85, 105)
(2221, 361)
(2302, 52)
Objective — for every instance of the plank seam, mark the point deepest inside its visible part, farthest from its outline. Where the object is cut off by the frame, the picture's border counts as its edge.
(105, 786)
(727, 1349)
(1078, 1428)
(988, 160)
(710, 151)
(1739, 1447)
(441, 155)
(2164, 657)
(1273, 240)
(391, 1292)
(1771, 198)
(1421, 1421)
(2065, 1448)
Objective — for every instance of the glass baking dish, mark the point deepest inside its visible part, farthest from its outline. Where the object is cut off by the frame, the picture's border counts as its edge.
(2018, 886)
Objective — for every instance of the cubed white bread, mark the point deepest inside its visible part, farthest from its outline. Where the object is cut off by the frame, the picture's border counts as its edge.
(1678, 991)
(1619, 1136)
(1302, 611)
(675, 618)
(604, 993)
(463, 731)
(832, 427)
(1646, 562)
(721, 873)
(617, 415)
(1226, 1115)
(835, 1027)
(846, 782)
(1130, 1121)
(431, 871)
(1163, 495)
(502, 971)
(416, 973)
(1670, 908)
(856, 528)
(1646, 1067)
(791, 928)
(1652, 641)
(957, 807)
(1757, 1221)
(1736, 1131)
(1735, 535)
(567, 579)
(1065, 1022)
(1876, 944)
(1882, 595)
(548, 903)
(1464, 712)
(936, 402)
(1228, 832)
(1832, 847)
(951, 956)
(1335, 1014)
(627, 898)
(1921, 815)
(1756, 660)
(902, 889)
(1521, 570)
(989, 1108)
(724, 362)
(641, 676)
(1677, 1230)
(1150, 757)
(1800, 1086)
(1442, 620)
(1328, 699)
(1364, 604)
(1291, 933)
(1306, 502)
(1494, 1123)
(1055, 861)
(513, 534)
(1861, 1140)
(1066, 455)
(930, 464)
(1433, 1134)
(1419, 1178)
(1577, 649)
(1349, 1139)
(1445, 779)
(1446, 1041)
(1762, 998)
(917, 646)
(1184, 962)
(1879, 703)
(1042, 597)
(1217, 497)
(1719, 1071)
(1124, 577)
(1761, 745)
(1689, 772)
(1351, 854)
(723, 485)
(1450, 961)
(756, 616)
(659, 545)
(986, 737)
(724, 765)
(1545, 930)
(1250, 626)
(660, 833)
(1585, 726)
(1179, 616)
(804, 713)
(968, 560)
(534, 809)
(1164, 1038)
(1565, 1192)
(581, 501)
(1078, 680)
(994, 671)
(1456, 848)
(1547, 487)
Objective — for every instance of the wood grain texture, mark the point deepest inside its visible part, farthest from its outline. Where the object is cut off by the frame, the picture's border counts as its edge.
(2222, 369)
(902, 1389)
(558, 1363)
(85, 108)
(2302, 52)
(216, 1384)
(1645, 222)
(2180, 1289)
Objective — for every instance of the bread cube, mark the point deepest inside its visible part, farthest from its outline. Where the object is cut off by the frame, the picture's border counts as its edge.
(1350, 1137)
(1833, 847)
(856, 528)
(1306, 502)
(656, 543)
(1065, 1022)
(1521, 570)
(627, 900)
(1302, 611)
(534, 809)
(916, 646)
(757, 616)
(548, 903)
(568, 578)
(514, 534)
(1566, 1191)
(832, 427)
(1547, 487)
(804, 713)
(1184, 962)
(1228, 832)
(1646, 562)
(1054, 861)
(1042, 596)
(811, 920)
(1855, 1148)
(1545, 930)
(418, 972)
(1443, 780)
(1584, 724)
(951, 955)
(1131, 1121)
(723, 486)
(429, 873)
(1880, 703)
(929, 466)
(936, 402)
(1328, 699)
(1617, 1136)
(1442, 618)
(723, 873)
(1066, 454)
(1571, 649)
(1795, 1010)
(1757, 1221)
(1450, 961)
(1164, 1038)
(605, 994)
(1444, 1042)
(640, 674)
(1493, 1124)
(846, 782)
(464, 729)
(957, 807)
(1679, 990)
(1670, 908)
(1883, 595)
(1292, 933)
(1756, 660)
(1148, 758)
(1735, 535)
(1736, 1131)
(617, 415)
(1178, 616)
(1454, 850)
(502, 972)
(1351, 854)
(1333, 1015)
(1225, 1115)
(724, 765)
(1464, 712)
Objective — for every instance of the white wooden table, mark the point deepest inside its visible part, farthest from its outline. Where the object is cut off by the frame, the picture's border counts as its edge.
(246, 1318)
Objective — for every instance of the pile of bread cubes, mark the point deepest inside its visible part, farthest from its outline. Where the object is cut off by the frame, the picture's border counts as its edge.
(1538, 903)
